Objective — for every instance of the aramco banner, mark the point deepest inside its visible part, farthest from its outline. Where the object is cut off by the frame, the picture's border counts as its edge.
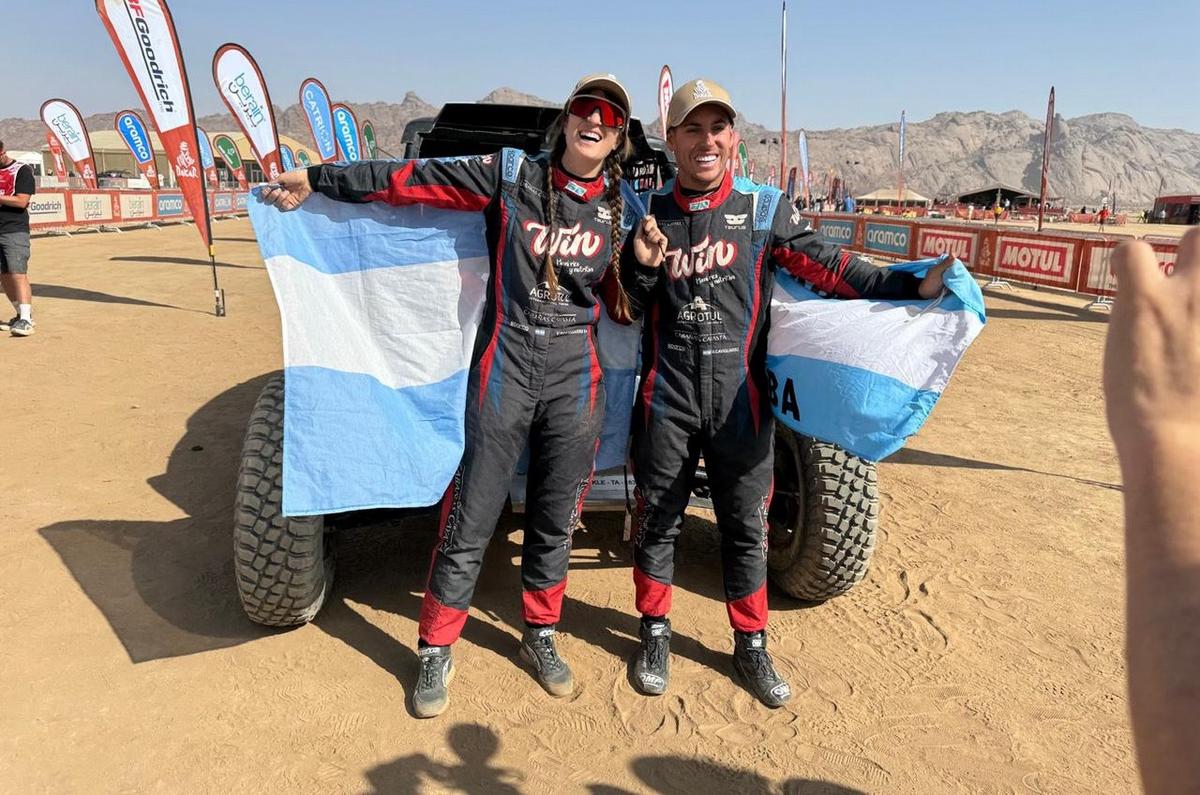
(132, 130)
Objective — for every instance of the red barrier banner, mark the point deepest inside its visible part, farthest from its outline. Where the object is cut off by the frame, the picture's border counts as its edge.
(1097, 277)
(49, 209)
(1039, 260)
(934, 242)
(136, 206)
(89, 207)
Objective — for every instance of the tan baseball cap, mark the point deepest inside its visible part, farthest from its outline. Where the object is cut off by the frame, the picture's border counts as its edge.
(604, 82)
(692, 95)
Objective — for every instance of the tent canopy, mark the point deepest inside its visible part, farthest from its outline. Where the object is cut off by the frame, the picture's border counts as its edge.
(892, 196)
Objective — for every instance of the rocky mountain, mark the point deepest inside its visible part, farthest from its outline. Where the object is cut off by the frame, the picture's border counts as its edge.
(950, 153)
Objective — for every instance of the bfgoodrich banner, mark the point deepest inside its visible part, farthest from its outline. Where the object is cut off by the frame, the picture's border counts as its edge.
(144, 35)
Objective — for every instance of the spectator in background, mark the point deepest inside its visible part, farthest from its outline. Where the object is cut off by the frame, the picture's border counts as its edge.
(17, 185)
(1152, 397)
(1102, 217)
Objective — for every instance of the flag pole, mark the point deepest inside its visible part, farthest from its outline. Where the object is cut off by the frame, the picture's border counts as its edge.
(783, 94)
(1046, 157)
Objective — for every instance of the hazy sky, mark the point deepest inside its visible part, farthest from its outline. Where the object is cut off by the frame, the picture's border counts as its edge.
(850, 63)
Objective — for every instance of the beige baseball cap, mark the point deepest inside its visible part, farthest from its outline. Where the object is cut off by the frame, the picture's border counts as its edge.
(692, 95)
(604, 82)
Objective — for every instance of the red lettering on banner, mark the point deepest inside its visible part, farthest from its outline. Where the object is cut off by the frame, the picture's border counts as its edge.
(936, 242)
(1044, 260)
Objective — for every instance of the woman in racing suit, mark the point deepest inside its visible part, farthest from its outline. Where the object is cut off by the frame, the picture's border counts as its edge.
(554, 227)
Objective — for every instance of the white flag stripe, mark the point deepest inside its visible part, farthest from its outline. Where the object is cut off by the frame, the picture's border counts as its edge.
(381, 322)
(885, 340)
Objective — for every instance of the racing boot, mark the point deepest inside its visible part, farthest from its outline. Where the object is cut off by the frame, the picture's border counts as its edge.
(754, 667)
(538, 649)
(431, 696)
(652, 666)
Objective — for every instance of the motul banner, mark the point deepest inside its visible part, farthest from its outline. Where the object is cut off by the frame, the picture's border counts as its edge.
(66, 124)
(233, 160)
(665, 90)
(241, 85)
(144, 35)
(345, 129)
(132, 130)
(771, 177)
(56, 156)
(207, 162)
(370, 148)
(314, 99)
(744, 161)
(286, 158)
(750, 172)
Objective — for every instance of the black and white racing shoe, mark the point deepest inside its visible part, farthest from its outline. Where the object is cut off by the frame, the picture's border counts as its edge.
(754, 667)
(539, 651)
(652, 666)
(432, 693)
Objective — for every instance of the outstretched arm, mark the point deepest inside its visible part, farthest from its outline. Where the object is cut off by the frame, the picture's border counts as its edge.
(466, 183)
(797, 248)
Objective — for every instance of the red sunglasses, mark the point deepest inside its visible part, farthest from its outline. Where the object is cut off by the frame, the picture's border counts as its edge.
(611, 114)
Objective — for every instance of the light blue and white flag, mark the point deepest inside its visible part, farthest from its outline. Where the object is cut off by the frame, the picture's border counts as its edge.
(379, 307)
(864, 374)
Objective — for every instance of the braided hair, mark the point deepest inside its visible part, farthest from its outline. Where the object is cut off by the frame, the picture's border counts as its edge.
(616, 207)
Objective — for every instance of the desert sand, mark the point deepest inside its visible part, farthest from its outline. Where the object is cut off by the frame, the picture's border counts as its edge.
(983, 653)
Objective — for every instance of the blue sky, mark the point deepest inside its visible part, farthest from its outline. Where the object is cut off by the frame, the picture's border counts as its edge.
(850, 63)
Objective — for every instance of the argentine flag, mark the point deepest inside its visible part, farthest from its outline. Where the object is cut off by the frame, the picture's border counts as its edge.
(864, 374)
(380, 306)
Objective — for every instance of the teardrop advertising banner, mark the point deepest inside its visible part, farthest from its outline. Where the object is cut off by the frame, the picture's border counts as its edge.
(146, 40)
(207, 162)
(303, 159)
(286, 158)
(744, 160)
(370, 147)
(314, 99)
(132, 129)
(66, 124)
(56, 156)
(241, 85)
(665, 90)
(345, 128)
(233, 159)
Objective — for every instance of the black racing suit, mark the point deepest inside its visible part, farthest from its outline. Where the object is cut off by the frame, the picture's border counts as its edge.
(704, 387)
(535, 377)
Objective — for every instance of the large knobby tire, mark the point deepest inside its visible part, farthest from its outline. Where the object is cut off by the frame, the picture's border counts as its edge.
(823, 517)
(284, 565)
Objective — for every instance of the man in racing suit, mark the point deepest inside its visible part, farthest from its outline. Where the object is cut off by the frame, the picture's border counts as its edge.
(710, 245)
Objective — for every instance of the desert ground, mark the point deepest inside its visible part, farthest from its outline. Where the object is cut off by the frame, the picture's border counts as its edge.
(982, 654)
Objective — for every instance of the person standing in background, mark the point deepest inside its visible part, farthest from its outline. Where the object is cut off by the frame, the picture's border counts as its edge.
(17, 186)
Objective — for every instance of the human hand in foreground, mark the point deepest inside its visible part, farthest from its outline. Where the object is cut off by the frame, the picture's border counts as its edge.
(649, 244)
(1152, 358)
(289, 191)
(934, 282)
